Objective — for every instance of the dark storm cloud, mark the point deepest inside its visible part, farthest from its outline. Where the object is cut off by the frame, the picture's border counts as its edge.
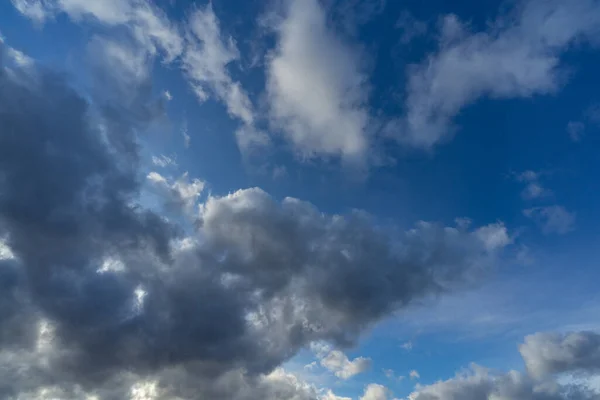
(210, 316)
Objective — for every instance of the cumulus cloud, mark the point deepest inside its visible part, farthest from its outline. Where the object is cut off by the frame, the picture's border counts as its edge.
(479, 383)
(554, 353)
(414, 374)
(552, 219)
(315, 86)
(510, 59)
(375, 391)
(337, 362)
(102, 297)
(546, 355)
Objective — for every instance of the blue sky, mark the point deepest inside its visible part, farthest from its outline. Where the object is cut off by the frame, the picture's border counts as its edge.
(480, 117)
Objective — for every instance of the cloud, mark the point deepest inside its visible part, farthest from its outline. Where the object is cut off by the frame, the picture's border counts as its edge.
(508, 60)
(553, 219)
(338, 363)
(316, 89)
(205, 62)
(103, 297)
(480, 383)
(408, 346)
(180, 194)
(187, 140)
(533, 187)
(494, 236)
(148, 24)
(375, 391)
(546, 355)
(164, 161)
(414, 374)
(556, 353)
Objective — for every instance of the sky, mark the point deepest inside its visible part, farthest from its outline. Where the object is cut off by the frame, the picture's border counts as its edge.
(299, 200)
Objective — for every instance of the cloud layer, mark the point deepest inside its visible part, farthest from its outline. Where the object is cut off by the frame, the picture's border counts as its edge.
(101, 295)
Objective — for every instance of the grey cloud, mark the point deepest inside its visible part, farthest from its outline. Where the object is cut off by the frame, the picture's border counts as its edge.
(479, 383)
(546, 355)
(101, 296)
(517, 57)
(552, 353)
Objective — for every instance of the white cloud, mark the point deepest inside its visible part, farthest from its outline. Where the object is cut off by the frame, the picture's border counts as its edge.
(187, 140)
(167, 95)
(148, 24)
(164, 161)
(375, 391)
(338, 363)
(414, 374)
(517, 57)
(316, 90)
(182, 193)
(206, 60)
(495, 236)
(553, 219)
(5, 251)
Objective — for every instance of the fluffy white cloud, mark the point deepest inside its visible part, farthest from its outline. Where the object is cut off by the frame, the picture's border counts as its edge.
(518, 56)
(495, 236)
(375, 391)
(316, 89)
(552, 219)
(414, 374)
(338, 363)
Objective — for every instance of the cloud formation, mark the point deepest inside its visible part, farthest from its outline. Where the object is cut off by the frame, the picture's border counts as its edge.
(511, 59)
(337, 362)
(555, 353)
(315, 86)
(546, 356)
(206, 59)
(101, 296)
(552, 219)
